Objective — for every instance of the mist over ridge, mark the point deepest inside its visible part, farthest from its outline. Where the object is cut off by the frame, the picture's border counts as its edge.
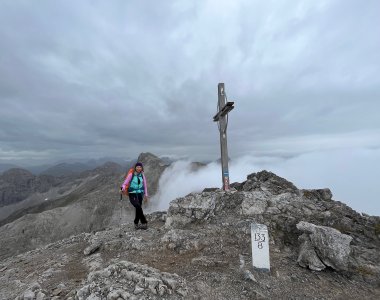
(342, 173)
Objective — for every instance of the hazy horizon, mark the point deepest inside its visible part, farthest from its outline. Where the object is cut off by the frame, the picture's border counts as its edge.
(178, 180)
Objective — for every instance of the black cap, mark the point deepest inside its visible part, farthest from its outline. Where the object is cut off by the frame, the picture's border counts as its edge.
(139, 164)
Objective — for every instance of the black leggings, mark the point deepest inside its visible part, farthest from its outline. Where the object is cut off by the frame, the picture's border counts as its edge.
(136, 200)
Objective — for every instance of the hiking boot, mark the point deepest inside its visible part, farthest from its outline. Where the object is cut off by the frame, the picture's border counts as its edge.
(144, 226)
(137, 226)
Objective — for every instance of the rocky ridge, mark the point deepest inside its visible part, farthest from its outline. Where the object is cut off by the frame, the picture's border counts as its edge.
(200, 249)
(88, 203)
(66, 169)
(17, 184)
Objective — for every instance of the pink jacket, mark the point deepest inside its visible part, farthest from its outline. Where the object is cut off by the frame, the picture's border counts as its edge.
(128, 179)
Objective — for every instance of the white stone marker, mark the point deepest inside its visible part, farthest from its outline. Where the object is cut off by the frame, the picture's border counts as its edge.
(260, 247)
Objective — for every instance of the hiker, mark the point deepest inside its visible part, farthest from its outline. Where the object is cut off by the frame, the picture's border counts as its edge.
(136, 186)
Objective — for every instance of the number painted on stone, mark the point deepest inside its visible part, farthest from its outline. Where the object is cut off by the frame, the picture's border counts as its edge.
(259, 237)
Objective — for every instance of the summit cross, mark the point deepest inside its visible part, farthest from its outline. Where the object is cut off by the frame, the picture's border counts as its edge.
(224, 107)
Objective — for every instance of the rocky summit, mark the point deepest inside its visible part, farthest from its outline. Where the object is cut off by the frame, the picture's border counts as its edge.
(201, 249)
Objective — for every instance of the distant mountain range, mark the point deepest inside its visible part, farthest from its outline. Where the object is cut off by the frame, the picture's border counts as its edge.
(71, 167)
(17, 184)
(66, 167)
(23, 192)
(4, 167)
(69, 205)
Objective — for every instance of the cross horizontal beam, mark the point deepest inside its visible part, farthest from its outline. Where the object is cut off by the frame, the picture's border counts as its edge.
(225, 110)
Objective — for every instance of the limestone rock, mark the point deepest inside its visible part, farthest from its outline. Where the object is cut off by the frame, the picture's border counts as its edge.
(137, 279)
(183, 240)
(254, 203)
(28, 295)
(307, 256)
(92, 248)
(331, 246)
(319, 194)
(268, 181)
(186, 210)
(40, 296)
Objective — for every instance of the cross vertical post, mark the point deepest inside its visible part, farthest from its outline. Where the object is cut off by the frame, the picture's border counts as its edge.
(221, 117)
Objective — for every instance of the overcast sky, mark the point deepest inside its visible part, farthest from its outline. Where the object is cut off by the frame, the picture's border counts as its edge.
(87, 79)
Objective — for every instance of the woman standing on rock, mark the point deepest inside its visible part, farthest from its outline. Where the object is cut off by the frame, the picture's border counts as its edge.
(137, 188)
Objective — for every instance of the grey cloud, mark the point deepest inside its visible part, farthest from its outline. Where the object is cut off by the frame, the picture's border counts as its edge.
(136, 76)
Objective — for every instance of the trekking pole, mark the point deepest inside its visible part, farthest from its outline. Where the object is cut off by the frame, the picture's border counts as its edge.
(121, 207)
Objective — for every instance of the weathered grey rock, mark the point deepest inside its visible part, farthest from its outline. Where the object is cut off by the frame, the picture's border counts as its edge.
(273, 211)
(319, 194)
(207, 190)
(56, 292)
(157, 215)
(249, 276)
(307, 256)
(254, 203)
(94, 297)
(183, 240)
(135, 243)
(40, 296)
(189, 209)
(331, 246)
(139, 279)
(92, 248)
(28, 295)
(83, 292)
(138, 290)
(35, 286)
(115, 294)
(270, 182)
(207, 261)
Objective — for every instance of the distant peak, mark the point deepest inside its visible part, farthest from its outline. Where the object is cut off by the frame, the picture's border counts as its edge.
(17, 172)
(147, 156)
(109, 166)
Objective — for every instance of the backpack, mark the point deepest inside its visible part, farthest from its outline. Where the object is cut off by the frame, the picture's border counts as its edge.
(131, 171)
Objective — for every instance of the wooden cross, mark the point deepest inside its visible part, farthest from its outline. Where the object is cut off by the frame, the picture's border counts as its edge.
(221, 117)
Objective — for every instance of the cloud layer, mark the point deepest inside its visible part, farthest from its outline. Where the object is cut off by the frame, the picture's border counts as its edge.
(350, 180)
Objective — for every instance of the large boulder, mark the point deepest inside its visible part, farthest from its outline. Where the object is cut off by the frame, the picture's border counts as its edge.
(307, 256)
(329, 245)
